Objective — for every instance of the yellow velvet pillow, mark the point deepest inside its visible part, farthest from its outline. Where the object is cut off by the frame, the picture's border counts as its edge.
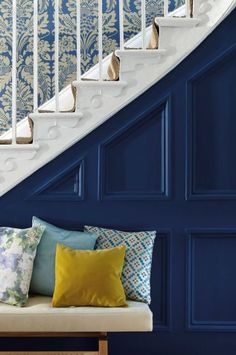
(89, 278)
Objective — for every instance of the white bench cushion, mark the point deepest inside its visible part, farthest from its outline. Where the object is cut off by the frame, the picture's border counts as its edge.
(40, 316)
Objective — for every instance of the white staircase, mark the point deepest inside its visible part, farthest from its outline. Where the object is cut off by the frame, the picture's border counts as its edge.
(97, 101)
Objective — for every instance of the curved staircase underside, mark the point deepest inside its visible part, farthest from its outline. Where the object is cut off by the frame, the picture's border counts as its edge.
(97, 101)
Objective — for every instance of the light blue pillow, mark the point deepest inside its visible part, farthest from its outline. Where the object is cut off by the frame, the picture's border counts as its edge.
(43, 278)
(138, 258)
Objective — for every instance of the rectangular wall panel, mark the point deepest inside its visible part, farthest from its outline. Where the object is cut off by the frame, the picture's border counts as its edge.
(211, 98)
(211, 271)
(134, 163)
(161, 281)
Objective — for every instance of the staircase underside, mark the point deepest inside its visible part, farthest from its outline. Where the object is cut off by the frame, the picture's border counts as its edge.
(98, 101)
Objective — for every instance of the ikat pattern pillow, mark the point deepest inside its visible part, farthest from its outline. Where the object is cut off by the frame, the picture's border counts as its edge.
(17, 252)
(138, 260)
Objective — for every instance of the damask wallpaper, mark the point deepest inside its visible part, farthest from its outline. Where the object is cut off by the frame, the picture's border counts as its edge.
(89, 52)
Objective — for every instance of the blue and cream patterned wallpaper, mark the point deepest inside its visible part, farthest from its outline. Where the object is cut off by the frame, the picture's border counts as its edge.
(89, 53)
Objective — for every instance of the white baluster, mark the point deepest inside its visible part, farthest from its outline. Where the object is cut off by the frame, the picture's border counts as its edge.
(187, 5)
(121, 19)
(166, 8)
(143, 15)
(189, 8)
(78, 32)
(35, 50)
(14, 70)
(56, 61)
(100, 49)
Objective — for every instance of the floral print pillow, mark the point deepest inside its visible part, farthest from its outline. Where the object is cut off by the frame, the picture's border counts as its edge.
(17, 252)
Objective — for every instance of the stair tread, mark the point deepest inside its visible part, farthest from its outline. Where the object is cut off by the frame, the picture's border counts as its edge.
(177, 21)
(54, 115)
(100, 83)
(28, 147)
(131, 51)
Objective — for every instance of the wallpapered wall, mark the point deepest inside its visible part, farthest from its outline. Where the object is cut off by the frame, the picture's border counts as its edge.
(67, 44)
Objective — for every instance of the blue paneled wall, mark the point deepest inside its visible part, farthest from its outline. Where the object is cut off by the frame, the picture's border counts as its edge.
(166, 162)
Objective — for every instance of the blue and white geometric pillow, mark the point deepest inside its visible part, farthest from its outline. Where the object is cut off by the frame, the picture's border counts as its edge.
(17, 252)
(138, 260)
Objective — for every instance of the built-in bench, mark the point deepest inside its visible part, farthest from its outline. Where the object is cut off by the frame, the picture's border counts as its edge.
(40, 319)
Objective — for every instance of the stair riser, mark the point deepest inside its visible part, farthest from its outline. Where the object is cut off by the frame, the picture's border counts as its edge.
(169, 36)
(135, 62)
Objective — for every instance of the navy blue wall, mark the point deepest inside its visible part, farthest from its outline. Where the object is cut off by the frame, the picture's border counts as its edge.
(166, 162)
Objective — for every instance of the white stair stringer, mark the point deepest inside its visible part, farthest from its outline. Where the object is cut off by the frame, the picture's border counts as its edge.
(13, 158)
(99, 100)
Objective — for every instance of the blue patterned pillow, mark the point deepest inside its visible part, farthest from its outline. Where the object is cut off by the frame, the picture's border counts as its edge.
(17, 252)
(138, 260)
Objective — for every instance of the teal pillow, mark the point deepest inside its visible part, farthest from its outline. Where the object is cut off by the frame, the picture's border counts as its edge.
(43, 278)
